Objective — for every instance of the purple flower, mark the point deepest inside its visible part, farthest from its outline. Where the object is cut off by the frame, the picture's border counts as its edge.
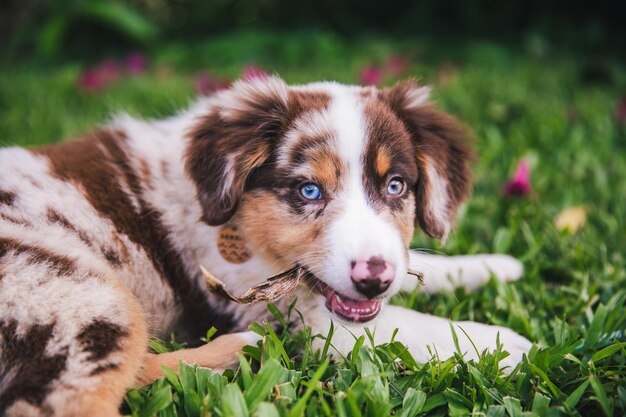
(519, 185)
(136, 63)
(207, 84)
(252, 72)
(371, 75)
(396, 64)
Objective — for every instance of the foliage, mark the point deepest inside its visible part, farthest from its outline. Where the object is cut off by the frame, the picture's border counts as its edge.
(539, 106)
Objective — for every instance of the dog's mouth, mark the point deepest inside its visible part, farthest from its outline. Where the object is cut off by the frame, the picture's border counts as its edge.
(359, 311)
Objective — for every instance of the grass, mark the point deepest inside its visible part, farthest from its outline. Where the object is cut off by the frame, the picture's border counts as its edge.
(555, 109)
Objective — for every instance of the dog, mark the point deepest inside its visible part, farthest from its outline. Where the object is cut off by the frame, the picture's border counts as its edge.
(102, 238)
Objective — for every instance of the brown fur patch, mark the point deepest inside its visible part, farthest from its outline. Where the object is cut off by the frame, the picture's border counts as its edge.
(56, 217)
(14, 220)
(301, 102)
(440, 139)
(146, 174)
(63, 265)
(278, 233)
(383, 161)
(100, 338)
(99, 165)
(7, 198)
(234, 147)
(25, 364)
(231, 244)
(388, 153)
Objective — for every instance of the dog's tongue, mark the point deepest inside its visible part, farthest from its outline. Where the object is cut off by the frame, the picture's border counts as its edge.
(352, 310)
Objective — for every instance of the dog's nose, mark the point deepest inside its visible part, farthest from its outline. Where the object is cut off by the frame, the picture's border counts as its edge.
(372, 277)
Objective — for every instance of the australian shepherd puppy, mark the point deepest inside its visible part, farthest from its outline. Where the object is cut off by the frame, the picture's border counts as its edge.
(102, 238)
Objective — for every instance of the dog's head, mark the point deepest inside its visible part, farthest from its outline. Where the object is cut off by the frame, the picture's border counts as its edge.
(332, 178)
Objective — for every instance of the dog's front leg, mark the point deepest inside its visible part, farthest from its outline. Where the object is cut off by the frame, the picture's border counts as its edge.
(469, 271)
(427, 335)
(219, 354)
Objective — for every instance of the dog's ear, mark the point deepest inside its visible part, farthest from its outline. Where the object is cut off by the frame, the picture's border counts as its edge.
(443, 154)
(233, 139)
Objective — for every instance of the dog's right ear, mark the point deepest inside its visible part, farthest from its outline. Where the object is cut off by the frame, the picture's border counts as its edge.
(228, 143)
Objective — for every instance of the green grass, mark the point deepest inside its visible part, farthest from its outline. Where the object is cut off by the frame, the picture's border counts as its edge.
(517, 100)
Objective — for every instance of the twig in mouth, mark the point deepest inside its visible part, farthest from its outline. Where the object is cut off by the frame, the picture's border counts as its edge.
(274, 288)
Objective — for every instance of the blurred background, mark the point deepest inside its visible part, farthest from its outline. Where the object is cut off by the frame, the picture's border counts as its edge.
(88, 28)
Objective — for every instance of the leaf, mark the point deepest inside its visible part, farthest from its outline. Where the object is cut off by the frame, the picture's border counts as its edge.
(121, 16)
(271, 373)
(329, 337)
(495, 411)
(555, 391)
(596, 326)
(202, 380)
(601, 396)
(266, 409)
(156, 402)
(608, 351)
(233, 401)
(575, 396)
(172, 378)
(298, 408)
(158, 346)
(245, 371)
(187, 376)
(513, 407)
(434, 401)
(540, 404)
(413, 402)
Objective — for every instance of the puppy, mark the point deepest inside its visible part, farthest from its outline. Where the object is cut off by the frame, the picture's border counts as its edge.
(102, 239)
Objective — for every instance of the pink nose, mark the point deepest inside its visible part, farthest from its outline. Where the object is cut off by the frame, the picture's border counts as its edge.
(372, 277)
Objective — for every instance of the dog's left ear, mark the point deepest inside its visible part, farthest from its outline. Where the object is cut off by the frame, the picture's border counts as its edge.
(443, 154)
(233, 139)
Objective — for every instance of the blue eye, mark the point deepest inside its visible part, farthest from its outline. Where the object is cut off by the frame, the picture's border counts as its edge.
(311, 191)
(396, 187)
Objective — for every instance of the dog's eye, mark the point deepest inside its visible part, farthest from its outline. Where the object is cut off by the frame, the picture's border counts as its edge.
(396, 187)
(310, 191)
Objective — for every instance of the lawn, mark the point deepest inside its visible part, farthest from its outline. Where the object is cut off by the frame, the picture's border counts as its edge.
(558, 110)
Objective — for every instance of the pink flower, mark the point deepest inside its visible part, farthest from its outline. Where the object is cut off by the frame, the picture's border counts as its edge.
(96, 78)
(109, 71)
(371, 75)
(620, 112)
(252, 72)
(207, 84)
(519, 185)
(396, 64)
(90, 80)
(136, 63)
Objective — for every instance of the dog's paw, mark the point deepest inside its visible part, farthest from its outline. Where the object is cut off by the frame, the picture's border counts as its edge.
(504, 267)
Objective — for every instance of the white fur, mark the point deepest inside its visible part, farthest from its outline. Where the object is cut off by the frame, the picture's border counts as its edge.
(236, 99)
(359, 232)
(417, 97)
(438, 202)
(443, 273)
